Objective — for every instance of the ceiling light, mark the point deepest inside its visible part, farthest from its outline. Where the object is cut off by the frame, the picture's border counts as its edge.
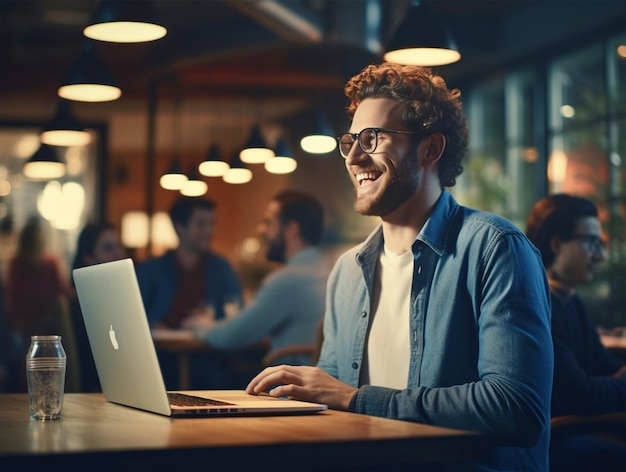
(44, 164)
(238, 173)
(89, 79)
(125, 21)
(174, 178)
(194, 187)
(213, 165)
(256, 151)
(283, 162)
(64, 129)
(422, 39)
(321, 140)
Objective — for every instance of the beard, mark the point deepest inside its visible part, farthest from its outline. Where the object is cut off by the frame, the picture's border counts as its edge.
(403, 184)
(276, 250)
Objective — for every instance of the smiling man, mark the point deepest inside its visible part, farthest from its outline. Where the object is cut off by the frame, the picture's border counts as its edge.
(442, 315)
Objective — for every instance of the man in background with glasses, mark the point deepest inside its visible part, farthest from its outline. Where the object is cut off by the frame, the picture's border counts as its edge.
(588, 379)
(442, 315)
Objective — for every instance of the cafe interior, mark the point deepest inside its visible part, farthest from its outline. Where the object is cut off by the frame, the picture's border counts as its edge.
(543, 87)
(235, 100)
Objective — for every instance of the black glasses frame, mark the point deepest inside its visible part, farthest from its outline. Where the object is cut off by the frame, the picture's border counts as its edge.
(592, 242)
(356, 137)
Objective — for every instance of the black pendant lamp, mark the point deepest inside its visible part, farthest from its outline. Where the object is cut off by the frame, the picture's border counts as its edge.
(125, 21)
(283, 162)
(422, 39)
(213, 165)
(44, 164)
(64, 129)
(89, 79)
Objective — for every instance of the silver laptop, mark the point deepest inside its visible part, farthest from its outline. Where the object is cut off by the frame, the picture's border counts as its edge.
(126, 360)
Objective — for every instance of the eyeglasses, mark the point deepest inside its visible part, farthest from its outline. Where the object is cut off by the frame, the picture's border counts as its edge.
(367, 138)
(591, 242)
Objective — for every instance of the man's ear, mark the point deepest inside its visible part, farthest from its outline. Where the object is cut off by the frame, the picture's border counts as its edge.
(432, 147)
(555, 244)
(291, 230)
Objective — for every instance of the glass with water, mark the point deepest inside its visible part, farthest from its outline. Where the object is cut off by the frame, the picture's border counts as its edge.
(45, 373)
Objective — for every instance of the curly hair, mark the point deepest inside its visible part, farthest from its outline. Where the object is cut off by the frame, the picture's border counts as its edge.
(429, 106)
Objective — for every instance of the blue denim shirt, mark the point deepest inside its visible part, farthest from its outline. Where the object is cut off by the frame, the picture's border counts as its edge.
(481, 349)
(158, 279)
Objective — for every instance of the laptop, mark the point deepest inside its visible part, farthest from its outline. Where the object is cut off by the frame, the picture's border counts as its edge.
(126, 360)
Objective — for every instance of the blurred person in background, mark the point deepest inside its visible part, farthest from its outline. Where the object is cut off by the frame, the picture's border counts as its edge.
(98, 242)
(289, 305)
(188, 280)
(36, 293)
(192, 277)
(588, 379)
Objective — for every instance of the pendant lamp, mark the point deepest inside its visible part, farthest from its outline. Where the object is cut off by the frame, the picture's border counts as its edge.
(321, 140)
(64, 129)
(89, 79)
(256, 150)
(238, 173)
(422, 39)
(194, 187)
(174, 178)
(213, 165)
(282, 162)
(44, 164)
(125, 21)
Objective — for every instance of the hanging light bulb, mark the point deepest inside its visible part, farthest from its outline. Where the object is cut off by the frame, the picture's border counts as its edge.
(213, 165)
(44, 164)
(89, 80)
(238, 173)
(174, 178)
(125, 21)
(321, 140)
(282, 162)
(422, 39)
(64, 130)
(256, 151)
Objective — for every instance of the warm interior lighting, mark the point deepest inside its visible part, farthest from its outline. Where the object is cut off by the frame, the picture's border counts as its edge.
(193, 187)
(213, 166)
(174, 178)
(238, 173)
(64, 130)
(125, 21)
(321, 140)
(318, 144)
(89, 79)
(422, 39)
(135, 229)
(256, 151)
(44, 164)
(283, 162)
(621, 50)
(557, 168)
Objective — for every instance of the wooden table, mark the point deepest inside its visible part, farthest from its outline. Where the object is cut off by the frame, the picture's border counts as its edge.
(97, 435)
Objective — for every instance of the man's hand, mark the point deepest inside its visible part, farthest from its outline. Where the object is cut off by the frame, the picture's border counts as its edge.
(199, 322)
(304, 383)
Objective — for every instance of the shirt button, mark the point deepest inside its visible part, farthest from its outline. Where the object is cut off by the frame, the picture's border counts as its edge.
(355, 365)
(364, 314)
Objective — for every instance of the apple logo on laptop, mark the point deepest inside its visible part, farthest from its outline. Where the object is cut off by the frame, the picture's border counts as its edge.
(113, 338)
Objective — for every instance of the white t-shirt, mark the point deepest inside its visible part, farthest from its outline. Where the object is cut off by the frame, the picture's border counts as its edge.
(388, 345)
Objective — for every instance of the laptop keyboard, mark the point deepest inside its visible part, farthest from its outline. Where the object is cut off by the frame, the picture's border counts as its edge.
(182, 399)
